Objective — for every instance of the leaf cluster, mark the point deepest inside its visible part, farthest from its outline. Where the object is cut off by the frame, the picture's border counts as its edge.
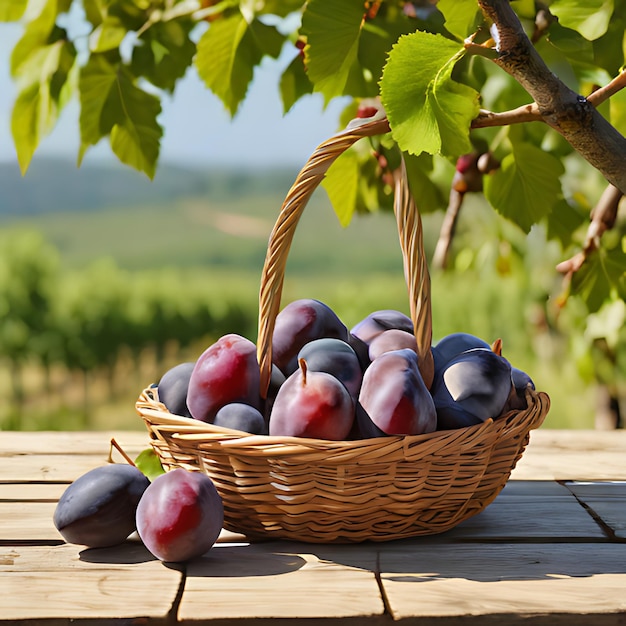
(433, 67)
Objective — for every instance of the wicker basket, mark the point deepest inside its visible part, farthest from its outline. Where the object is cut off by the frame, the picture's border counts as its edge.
(321, 491)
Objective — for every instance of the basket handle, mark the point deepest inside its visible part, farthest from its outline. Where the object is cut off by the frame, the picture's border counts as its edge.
(409, 231)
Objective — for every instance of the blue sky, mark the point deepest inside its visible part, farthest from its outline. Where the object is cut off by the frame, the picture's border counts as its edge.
(197, 129)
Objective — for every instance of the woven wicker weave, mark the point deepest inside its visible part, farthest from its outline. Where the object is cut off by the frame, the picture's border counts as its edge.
(349, 491)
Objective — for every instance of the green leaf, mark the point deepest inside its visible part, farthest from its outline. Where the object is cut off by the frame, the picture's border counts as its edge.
(37, 34)
(294, 83)
(571, 43)
(164, 53)
(341, 184)
(425, 192)
(44, 92)
(427, 110)
(136, 141)
(108, 35)
(461, 16)
(12, 10)
(589, 17)
(95, 11)
(332, 31)
(563, 221)
(229, 51)
(112, 104)
(526, 186)
(97, 116)
(149, 464)
(524, 8)
(25, 124)
(603, 272)
(618, 111)
(282, 8)
(376, 39)
(608, 50)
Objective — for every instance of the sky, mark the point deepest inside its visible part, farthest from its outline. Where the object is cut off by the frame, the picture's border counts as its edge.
(197, 128)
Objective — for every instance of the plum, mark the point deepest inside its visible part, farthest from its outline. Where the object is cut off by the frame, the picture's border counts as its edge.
(98, 509)
(392, 339)
(180, 515)
(225, 372)
(240, 416)
(335, 357)
(298, 323)
(452, 345)
(277, 378)
(379, 321)
(395, 396)
(521, 382)
(361, 349)
(312, 404)
(364, 427)
(475, 383)
(173, 387)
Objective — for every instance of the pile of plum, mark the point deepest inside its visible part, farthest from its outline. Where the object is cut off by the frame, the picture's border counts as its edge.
(327, 382)
(332, 383)
(178, 515)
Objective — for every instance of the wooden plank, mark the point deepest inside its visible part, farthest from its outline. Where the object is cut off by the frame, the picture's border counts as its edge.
(64, 582)
(606, 500)
(282, 580)
(429, 580)
(28, 521)
(68, 442)
(528, 518)
(31, 492)
(597, 489)
(573, 455)
(547, 488)
(48, 468)
(612, 512)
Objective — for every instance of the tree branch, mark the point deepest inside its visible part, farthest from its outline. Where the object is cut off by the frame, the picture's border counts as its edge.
(448, 228)
(525, 113)
(603, 218)
(604, 93)
(569, 113)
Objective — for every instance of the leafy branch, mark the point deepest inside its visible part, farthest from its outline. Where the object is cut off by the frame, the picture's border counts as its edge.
(452, 77)
(567, 112)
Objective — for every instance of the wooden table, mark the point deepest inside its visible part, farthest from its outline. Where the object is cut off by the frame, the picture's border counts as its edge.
(551, 549)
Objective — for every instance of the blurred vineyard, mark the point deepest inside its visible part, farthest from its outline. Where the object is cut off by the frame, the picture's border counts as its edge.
(74, 341)
(96, 305)
(78, 345)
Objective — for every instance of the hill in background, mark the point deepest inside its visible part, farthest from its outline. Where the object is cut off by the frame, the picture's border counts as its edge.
(53, 185)
(187, 218)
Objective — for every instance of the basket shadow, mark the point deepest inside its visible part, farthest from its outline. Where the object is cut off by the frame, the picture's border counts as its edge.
(499, 562)
(418, 560)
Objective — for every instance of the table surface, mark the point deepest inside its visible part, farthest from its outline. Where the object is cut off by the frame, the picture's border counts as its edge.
(551, 549)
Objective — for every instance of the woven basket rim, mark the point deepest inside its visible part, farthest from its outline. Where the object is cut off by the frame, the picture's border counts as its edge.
(150, 409)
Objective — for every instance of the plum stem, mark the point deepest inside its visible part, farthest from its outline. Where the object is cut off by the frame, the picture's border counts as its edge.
(117, 446)
(303, 368)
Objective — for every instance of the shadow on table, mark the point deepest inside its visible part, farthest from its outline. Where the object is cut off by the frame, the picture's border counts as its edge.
(407, 560)
(222, 561)
(127, 553)
(417, 561)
